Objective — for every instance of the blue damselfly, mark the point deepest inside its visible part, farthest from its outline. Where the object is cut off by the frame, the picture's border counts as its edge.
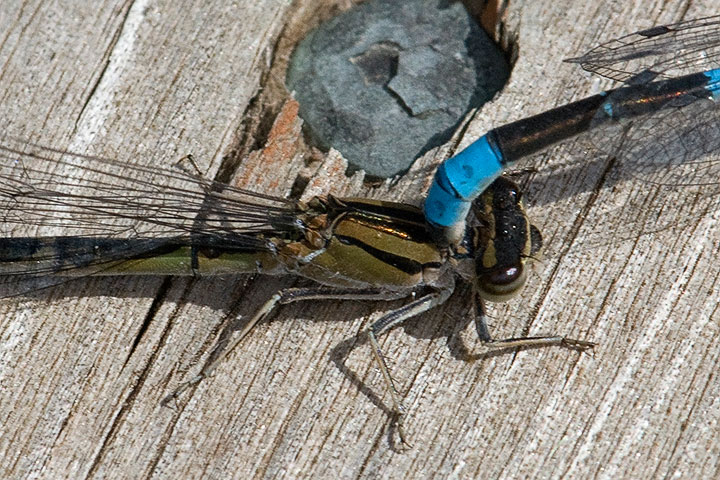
(671, 72)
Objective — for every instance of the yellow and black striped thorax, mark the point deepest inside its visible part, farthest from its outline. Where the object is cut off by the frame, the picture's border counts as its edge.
(372, 242)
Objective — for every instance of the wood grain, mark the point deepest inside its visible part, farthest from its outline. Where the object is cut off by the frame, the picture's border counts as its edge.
(83, 367)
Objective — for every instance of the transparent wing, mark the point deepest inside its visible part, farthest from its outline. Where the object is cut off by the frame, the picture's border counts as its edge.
(85, 203)
(675, 146)
(670, 155)
(48, 192)
(659, 52)
(656, 173)
(674, 156)
(666, 163)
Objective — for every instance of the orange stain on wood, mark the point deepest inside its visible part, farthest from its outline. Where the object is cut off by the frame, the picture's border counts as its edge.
(259, 171)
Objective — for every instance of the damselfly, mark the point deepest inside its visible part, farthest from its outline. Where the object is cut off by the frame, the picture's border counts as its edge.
(672, 74)
(67, 215)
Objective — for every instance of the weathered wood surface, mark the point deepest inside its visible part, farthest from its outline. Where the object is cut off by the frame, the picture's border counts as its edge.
(83, 367)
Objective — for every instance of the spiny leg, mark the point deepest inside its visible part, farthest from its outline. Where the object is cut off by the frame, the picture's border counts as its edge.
(519, 342)
(283, 297)
(390, 320)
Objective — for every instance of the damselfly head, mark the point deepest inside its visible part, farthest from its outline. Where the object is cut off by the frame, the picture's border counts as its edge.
(504, 240)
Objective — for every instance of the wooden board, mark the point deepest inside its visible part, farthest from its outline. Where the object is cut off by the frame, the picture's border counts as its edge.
(83, 367)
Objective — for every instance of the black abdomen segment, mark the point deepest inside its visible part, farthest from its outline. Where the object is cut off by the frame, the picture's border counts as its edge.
(80, 256)
(533, 134)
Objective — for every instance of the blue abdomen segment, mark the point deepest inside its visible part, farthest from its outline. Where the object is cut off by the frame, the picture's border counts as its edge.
(713, 84)
(460, 179)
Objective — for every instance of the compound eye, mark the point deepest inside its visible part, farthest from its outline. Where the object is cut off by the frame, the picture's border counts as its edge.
(498, 284)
